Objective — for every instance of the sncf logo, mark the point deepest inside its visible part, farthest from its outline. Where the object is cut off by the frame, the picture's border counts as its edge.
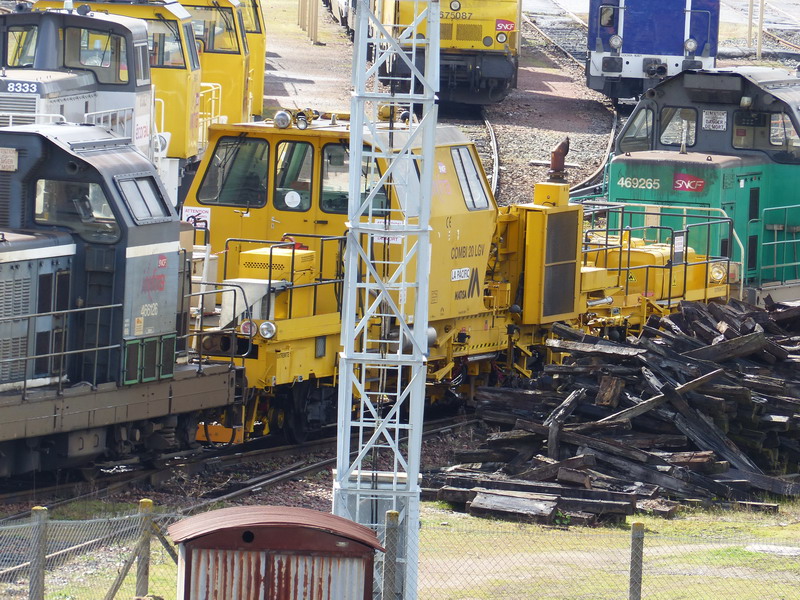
(687, 183)
(504, 25)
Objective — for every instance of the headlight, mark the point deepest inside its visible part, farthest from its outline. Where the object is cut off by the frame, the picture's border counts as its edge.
(502, 38)
(455, 5)
(488, 41)
(717, 272)
(615, 42)
(282, 119)
(690, 45)
(267, 330)
(248, 328)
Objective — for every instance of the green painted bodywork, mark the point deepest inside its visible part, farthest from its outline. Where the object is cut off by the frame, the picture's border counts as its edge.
(734, 151)
(760, 196)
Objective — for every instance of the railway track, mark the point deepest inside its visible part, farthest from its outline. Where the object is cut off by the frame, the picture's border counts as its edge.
(564, 30)
(782, 38)
(234, 490)
(775, 30)
(104, 487)
(567, 32)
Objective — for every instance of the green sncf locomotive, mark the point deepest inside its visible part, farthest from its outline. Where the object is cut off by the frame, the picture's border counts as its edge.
(722, 141)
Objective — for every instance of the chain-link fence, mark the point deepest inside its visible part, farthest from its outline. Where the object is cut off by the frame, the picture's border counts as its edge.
(469, 559)
(118, 557)
(459, 558)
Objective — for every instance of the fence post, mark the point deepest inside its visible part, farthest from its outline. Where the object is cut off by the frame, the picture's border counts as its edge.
(38, 552)
(143, 548)
(637, 552)
(389, 591)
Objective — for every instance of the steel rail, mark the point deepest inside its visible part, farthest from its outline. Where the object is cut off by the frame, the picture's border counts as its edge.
(255, 485)
(495, 152)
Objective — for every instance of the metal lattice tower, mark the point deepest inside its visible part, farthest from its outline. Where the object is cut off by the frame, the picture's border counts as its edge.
(382, 367)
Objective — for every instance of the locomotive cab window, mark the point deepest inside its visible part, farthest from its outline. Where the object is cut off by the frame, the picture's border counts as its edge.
(245, 48)
(639, 133)
(214, 28)
(773, 133)
(81, 207)
(252, 24)
(469, 179)
(236, 174)
(21, 45)
(142, 64)
(102, 53)
(194, 58)
(164, 45)
(336, 180)
(144, 199)
(293, 176)
(678, 125)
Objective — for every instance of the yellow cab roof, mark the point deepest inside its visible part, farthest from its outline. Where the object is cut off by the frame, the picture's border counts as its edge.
(323, 127)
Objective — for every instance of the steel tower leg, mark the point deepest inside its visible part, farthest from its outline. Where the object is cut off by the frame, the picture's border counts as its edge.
(382, 366)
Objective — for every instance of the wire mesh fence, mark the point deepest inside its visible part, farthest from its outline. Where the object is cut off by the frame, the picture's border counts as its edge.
(493, 559)
(459, 558)
(86, 559)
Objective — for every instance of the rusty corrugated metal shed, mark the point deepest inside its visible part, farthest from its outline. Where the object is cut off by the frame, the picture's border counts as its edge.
(243, 575)
(270, 516)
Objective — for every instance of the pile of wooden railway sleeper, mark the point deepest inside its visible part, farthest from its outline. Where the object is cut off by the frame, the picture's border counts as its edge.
(703, 405)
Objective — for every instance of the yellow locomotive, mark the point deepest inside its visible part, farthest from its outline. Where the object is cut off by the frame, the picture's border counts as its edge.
(479, 47)
(271, 203)
(206, 60)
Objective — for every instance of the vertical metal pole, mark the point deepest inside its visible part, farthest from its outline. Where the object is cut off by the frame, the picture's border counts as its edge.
(390, 544)
(760, 36)
(637, 552)
(750, 11)
(143, 548)
(38, 552)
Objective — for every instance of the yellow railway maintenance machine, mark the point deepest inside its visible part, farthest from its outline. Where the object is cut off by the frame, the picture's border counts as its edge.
(184, 105)
(274, 197)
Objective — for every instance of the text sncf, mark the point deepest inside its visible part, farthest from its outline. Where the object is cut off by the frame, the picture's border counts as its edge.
(682, 182)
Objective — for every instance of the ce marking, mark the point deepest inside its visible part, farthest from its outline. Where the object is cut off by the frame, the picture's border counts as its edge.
(448, 222)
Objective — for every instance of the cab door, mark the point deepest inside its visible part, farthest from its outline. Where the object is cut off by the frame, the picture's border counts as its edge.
(293, 180)
(748, 212)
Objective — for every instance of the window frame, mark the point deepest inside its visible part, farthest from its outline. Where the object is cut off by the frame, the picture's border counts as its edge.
(463, 177)
(274, 187)
(662, 128)
(230, 27)
(234, 146)
(100, 72)
(58, 220)
(159, 200)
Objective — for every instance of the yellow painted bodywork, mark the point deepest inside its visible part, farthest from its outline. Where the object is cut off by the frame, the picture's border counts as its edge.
(499, 277)
(177, 84)
(224, 60)
(467, 28)
(257, 41)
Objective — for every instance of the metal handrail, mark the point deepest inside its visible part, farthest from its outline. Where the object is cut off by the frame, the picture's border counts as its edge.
(120, 120)
(776, 244)
(63, 352)
(687, 213)
(53, 117)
